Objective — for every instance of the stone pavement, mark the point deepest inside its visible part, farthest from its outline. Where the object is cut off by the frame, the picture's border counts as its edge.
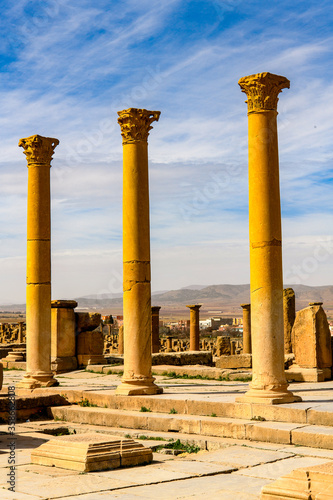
(232, 469)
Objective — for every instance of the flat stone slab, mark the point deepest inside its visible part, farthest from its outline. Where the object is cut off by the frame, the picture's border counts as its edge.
(183, 358)
(234, 361)
(91, 452)
(309, 482)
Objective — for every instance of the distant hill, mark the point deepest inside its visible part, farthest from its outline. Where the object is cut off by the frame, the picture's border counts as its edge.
(215, 297)
(226, 297)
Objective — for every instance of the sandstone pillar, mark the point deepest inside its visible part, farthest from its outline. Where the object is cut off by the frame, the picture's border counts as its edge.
(269, 383)
(194, 327)
(289, 315)
(63, 342)
(39, 151)
(20, 333)
(246, 328)
(135, 126)
(121, 340)
(155, 328)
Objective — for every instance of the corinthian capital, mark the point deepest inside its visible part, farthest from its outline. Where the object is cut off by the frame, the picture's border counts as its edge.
(262, 91)
(38, 149)
(136, 123)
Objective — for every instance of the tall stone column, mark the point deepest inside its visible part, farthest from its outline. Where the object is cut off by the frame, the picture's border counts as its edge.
(289, 315)
(155, 328)
(39, 151)
(246, 328)
(135, 125)
(194, 327)
(269, 383)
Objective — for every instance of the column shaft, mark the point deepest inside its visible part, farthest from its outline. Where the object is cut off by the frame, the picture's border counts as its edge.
(137, 379)
(269, 383)
(246, 328)
(38, 151)
(194, 328)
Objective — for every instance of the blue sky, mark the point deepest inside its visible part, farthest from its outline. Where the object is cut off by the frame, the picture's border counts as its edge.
(68, 66)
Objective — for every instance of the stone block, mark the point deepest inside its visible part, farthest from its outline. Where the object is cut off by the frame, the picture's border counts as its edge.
(234, 361)
(306, 483)
(314, 436)
(64, 364)
(1, 375)
(62, 328)
(223, 346)
(270, 432)
(87, 322)
(90, 346)
(91, 452)
(300, 374)
(212, 426)
(311, 338)
(183, 358)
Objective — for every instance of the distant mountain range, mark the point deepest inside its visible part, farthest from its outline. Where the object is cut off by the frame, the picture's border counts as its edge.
(214, 297)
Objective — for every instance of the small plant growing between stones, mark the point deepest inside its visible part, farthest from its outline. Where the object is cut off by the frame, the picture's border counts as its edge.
(173, 411)
(213, 415)
(128, 436)
(85, 402)
(144, 408)
(178, 445)
(59, 419)
(259, 418)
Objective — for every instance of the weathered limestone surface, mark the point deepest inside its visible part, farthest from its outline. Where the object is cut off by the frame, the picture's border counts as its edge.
(289, 315)
(269, 384)
(63, 355)
(39, 151)
(194, 327)
(183, 358)
(87, 322)
(135, 126)
(246, 328)
(90, 346)
(91, 452)
(121, 340)
(223, 346)
(234, 361)
(312, 338)
(308, 483)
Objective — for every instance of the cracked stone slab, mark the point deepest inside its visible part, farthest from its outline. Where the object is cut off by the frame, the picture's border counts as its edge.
(240, 456)
(274, 470)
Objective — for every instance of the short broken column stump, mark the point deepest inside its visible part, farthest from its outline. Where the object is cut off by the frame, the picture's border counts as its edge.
(91, 452)
(308, 483)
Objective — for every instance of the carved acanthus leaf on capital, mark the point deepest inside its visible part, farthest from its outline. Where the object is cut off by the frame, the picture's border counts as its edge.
(38, 149)
(136, 123)
(262, 91)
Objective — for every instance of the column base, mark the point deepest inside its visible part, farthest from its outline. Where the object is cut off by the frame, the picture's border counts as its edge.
(136, 387)
(268, 397)
(36, 380)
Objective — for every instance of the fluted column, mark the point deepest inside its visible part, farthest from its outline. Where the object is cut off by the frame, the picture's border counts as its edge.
(269, 383)
(155, 328)
(135, 125)
(194, 327)
(246, 328)
(39, 151)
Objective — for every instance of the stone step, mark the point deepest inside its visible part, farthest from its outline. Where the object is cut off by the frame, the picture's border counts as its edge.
(300, 413)
(264, 431)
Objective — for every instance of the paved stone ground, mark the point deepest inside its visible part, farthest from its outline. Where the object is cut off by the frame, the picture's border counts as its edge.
(237, 470)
